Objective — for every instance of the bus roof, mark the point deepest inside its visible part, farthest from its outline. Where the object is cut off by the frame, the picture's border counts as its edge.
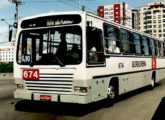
(52, 13)
(93, 15)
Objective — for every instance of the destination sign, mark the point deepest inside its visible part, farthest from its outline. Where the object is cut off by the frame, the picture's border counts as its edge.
(138, 64)
(51, 21)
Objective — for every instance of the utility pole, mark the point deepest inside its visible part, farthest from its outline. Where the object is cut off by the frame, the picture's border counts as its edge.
(16, 2)
(79, 5)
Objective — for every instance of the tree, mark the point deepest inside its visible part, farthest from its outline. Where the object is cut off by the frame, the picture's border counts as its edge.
(6, 67)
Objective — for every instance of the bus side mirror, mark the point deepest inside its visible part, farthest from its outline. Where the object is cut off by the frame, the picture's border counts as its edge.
(10, 35)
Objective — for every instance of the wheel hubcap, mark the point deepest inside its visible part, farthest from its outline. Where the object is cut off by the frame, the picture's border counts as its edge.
(111, 92)
(152, 83)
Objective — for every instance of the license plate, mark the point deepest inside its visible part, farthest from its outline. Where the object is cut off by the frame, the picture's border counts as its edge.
(45, 97)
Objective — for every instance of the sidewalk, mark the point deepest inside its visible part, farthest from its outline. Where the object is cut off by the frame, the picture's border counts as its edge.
(6, 76)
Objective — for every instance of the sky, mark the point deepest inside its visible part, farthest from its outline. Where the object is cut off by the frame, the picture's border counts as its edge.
(34, 7)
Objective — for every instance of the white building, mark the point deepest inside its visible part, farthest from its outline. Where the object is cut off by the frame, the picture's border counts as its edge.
(7, 54)
(152, 19)
(119, 13)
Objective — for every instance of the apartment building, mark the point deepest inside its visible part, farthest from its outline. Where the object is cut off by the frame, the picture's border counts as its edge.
(119, 13)
(7, 54)
(152, 19)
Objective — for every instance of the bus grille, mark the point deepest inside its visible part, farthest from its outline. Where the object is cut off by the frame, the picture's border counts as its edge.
(51, 83)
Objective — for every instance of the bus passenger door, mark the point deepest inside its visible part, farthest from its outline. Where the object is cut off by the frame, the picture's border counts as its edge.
(96, 61)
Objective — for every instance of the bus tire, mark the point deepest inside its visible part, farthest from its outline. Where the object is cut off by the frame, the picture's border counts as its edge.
(111, 95)
(152, 81)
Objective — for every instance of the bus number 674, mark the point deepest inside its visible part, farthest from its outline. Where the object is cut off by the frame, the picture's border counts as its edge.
(30, 74)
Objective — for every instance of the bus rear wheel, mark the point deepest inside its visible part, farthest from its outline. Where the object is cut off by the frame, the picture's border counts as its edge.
(152, 84)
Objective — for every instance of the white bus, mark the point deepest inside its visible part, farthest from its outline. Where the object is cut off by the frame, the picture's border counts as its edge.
(78, 57)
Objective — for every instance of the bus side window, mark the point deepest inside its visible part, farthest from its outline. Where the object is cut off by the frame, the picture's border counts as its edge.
(145, 45)
(162, 49)
(157, 48)
(111, 39)
(137, 43)
(127, 45)
(95, 46)
(152, 46)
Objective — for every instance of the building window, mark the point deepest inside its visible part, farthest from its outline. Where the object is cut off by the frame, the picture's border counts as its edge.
(116, 8)
(106, 9)
(149, 21)
(164, 16)
(149, 26)
(111, 17)
(149, 17)
(154, 21)
(106, 13)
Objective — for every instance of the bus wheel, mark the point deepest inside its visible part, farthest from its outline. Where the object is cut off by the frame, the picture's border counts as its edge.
(111, 95)
(152, 83)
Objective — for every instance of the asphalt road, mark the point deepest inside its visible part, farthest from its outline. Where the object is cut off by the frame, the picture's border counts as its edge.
(138, 105)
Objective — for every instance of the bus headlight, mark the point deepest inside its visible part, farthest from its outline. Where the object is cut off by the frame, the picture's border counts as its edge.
(81, 89)
(19, 86)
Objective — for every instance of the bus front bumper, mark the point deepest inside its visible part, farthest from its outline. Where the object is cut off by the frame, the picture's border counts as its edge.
(64, 98)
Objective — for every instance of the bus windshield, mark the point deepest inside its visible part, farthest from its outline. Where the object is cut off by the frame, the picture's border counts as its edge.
(55, 46)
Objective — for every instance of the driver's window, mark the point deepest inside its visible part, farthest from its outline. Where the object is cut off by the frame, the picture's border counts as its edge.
(95, 46)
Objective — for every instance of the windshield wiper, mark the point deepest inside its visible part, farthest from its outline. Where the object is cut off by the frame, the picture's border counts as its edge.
(59, 61)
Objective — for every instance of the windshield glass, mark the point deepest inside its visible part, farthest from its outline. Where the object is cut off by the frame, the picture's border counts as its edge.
(56, 46)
